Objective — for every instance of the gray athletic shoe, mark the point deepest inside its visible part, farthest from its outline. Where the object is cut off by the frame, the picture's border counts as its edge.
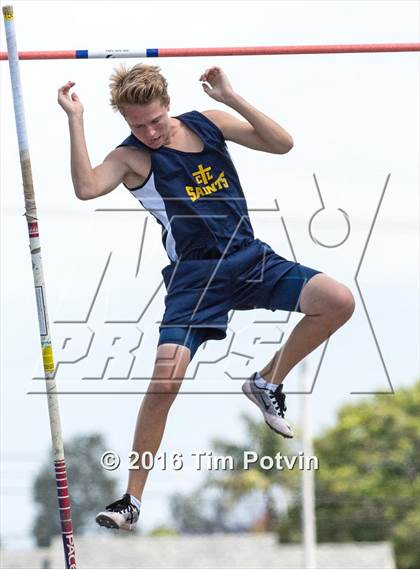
(121, 514)
(271, 404)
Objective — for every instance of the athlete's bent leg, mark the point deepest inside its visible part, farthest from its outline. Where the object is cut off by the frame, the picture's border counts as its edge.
(170, 366)
(327, 305)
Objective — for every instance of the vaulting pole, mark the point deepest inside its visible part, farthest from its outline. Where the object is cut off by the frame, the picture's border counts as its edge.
(44, 327)
(219, 51)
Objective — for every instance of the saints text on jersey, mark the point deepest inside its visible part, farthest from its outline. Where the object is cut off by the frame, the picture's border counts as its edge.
(203, 176)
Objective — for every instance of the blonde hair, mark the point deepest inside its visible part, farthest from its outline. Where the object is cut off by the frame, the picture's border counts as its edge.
(137, 86)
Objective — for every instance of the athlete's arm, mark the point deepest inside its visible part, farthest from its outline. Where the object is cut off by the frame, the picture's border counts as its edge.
(258, 132)
(88, 182)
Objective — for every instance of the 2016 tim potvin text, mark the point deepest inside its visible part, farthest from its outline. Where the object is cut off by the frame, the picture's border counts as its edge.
(207, 460)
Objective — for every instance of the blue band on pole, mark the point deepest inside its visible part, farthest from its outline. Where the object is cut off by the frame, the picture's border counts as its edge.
(152, 52)
(82, 54)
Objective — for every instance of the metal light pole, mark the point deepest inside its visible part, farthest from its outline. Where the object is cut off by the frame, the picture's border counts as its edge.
(307, 478)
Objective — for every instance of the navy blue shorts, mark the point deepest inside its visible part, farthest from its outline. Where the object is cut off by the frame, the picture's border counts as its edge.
(200, 293)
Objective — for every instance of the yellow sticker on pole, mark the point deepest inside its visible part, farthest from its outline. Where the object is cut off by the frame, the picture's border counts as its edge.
(48, 359)
(8, 12)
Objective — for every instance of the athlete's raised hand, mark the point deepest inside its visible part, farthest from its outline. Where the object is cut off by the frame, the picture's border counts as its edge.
(69, 102)
(216, 84)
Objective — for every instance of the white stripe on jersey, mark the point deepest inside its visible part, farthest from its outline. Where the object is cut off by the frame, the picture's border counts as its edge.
(151, 200)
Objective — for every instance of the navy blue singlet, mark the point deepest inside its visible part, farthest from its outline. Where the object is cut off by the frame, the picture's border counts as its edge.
(196, 196)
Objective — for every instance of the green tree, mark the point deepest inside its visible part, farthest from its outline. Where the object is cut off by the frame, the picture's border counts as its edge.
(227, 496)
(367, 487)
(201, 511)
(90, 488)
(241, 482)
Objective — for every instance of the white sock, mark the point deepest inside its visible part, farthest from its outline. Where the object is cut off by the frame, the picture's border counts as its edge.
(262, 384)
(135, 502)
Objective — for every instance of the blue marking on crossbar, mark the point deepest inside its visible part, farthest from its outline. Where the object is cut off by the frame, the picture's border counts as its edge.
(154, 52)
(82, 54)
